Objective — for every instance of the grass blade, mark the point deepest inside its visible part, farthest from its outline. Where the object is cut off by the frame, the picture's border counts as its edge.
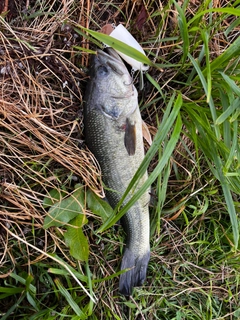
(222, 61)
(183, 31)
(120, 46)
(205, 87)
(205, 37)
(69, 299)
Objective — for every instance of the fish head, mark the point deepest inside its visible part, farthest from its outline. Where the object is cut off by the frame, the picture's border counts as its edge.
(111, 84)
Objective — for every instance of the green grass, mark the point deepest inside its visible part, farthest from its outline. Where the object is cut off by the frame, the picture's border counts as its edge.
(59, 264)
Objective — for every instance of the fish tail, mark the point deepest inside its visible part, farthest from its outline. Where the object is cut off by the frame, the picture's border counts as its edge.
(137, 273)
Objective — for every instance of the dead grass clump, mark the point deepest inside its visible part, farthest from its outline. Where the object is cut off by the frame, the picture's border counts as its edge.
(41, 143)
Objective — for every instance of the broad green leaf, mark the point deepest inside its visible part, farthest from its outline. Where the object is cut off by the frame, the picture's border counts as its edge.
(76, 240)
(65, 210)
(98, 206)
(53, 196)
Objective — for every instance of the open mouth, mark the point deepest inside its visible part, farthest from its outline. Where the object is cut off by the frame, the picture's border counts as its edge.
(113, 60)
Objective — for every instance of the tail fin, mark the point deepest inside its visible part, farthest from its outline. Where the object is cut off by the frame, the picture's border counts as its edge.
(136, 276)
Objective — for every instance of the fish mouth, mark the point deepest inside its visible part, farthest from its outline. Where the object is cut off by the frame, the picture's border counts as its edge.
(113, 63)
(113, 60)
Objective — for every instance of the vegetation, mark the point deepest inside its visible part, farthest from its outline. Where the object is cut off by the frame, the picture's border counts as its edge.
(60, 247)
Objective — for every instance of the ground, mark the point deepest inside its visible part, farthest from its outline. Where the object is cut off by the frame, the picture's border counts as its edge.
(54, 262)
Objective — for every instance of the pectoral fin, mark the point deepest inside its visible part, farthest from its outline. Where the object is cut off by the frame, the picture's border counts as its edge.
(130, 137)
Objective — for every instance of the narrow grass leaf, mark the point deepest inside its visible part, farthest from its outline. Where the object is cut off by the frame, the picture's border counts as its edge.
(162, 191)
(66, 273)
(235, 116)
(29, 287)
(222, 61)
(11, 291)
(183, 28)
(154, 83)
(161, 164)
(233, 154)
(205, 37)
(234, 87)
(163, 130)
(32, 301)
(227, 136)
(84, 49)
(84, 35)
(227, 113)
(120, 46)
(212, 149)
(14, 306)
(69, 299)
(205, 87)
(229, 201)
(38, 14)
(89, 307)
(112, 276)
(24, 282)
(228, 10)
(231, 27)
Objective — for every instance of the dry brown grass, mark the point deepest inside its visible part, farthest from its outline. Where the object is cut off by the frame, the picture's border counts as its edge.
(41, 130)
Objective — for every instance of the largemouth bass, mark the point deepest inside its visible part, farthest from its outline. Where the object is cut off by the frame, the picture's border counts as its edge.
(113, 132)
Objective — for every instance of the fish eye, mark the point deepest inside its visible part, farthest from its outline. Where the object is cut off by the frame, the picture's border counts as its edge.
(102, 70)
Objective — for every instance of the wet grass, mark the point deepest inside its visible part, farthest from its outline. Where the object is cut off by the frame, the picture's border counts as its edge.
(190, 103)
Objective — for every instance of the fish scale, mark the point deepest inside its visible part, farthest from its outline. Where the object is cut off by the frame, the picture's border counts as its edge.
(106, 118)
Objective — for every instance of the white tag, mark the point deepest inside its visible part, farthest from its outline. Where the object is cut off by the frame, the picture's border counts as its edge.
(121, 33)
